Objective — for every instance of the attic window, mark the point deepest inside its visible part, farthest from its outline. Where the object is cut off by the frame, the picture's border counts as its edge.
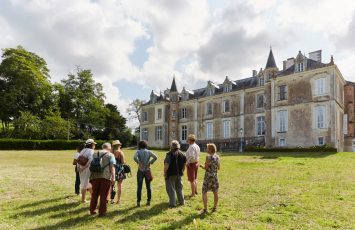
(227, 87)
(210, 91)
(261, 81)
(300, 67)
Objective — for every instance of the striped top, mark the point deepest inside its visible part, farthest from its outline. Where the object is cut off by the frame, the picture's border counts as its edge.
(143, 158)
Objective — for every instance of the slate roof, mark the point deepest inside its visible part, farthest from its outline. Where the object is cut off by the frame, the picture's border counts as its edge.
(270, 61)
(173, 86)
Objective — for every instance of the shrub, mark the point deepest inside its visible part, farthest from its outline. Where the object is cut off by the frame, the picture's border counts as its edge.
(323, 148)
(22, 144)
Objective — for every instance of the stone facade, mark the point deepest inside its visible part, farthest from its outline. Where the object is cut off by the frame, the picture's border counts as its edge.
(301, 105)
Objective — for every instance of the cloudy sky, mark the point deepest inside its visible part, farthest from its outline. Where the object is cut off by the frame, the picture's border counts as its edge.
(134, 46)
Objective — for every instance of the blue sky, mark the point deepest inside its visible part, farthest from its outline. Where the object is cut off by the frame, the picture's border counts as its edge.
(137, 46)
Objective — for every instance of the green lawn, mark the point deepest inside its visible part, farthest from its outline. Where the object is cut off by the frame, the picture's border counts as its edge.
(257, 191)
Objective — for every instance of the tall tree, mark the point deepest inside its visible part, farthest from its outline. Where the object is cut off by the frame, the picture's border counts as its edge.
(82, 99)
(24, 84)
(134, 109)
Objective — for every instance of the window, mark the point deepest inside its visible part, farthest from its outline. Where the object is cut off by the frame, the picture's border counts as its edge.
(159, 114)
(282, 121)
(282, 92)
(282, 142)
(158, 133)
(210, 91)
(185, 96)
(145, 134)
(261, 81)
(320, 141)
(320, 117)
(145, 116)
(209, 130)
(184, 133)
(226, 107)
(226, 129)
(260, 126)
(300, 67)
(173, 114)
(173, 98)
(260, 101)
(209, 108)
(227, 88)
(183, 113)
(320, 86)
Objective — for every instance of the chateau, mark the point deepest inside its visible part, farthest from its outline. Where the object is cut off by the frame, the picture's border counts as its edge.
(306, 103)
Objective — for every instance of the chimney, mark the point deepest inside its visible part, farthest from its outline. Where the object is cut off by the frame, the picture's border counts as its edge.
(254, 73)
(316, 55)
(283, 65)
(289, 62)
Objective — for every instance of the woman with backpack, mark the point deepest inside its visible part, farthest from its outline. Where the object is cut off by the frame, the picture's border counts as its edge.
(120, 176)
(84, 160)
(144, 158)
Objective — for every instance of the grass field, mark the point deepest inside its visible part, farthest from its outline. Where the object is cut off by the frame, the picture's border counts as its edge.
(257, 191)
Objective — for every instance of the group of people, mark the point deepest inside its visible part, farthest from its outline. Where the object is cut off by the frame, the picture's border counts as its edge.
(110, 173)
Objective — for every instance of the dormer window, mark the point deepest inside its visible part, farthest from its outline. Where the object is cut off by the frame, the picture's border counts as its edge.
(210, 91)
(261, 81)
(227, 88)
(300, 67)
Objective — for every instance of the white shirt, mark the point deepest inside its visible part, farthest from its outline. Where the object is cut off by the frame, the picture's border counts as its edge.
(76, 155)
(193, 153)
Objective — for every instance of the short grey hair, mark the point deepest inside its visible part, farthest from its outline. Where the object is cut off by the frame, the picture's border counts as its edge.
(106, 146)
(175, 145)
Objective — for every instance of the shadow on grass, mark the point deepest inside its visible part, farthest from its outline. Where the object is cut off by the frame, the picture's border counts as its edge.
(143, 214)
(186, 221)
(275, 155)
(43, 202)
(42, 211)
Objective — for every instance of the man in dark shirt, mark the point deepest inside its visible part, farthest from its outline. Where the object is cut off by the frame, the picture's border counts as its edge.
(174, 167)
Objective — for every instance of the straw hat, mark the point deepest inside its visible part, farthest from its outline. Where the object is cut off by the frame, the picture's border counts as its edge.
(116, 142)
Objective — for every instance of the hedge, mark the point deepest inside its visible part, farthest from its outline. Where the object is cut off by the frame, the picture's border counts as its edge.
(22, 144)
(323, 148)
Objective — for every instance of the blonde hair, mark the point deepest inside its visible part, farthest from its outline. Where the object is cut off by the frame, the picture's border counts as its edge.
(212, 147)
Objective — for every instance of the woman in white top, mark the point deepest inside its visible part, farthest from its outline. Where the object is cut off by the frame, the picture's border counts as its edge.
(84, 171)
(77, 177)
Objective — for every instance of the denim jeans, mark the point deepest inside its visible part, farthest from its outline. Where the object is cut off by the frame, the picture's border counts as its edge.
(140, 177)
(77, 182)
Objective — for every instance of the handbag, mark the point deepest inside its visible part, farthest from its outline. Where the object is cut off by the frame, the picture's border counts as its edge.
(148, 175)
(82, 160)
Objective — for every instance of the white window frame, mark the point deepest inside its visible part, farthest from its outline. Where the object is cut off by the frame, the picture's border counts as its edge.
(145, 116)
(207, 108)
(284, 142)
(257, 100)
(260, 128)
(300, 67)
(320, 119)
(279, 93)
(261, 81)
(183, 113)
(320, 86)
(173, 114)
(158, 133)
(210, 91)
(145, 134)
(227, 87)
(224, 103)
(184, 133)
(282, 121)
(318, 142)
(209, 130)
(159, 114)
(226, 128)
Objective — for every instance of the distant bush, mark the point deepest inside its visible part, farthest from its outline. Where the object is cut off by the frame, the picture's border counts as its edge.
(22, 144)
(323, 148)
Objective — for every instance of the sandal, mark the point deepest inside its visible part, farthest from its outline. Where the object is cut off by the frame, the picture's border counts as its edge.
(204, 211)
(214, 209)
(112, 202)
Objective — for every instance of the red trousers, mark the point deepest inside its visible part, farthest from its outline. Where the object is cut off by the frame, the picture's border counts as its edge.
(100, 187)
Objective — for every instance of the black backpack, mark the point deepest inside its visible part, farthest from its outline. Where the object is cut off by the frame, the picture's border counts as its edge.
(96, 164)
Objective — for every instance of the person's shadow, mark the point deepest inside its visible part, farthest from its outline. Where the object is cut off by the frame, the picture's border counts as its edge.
(144, 214)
